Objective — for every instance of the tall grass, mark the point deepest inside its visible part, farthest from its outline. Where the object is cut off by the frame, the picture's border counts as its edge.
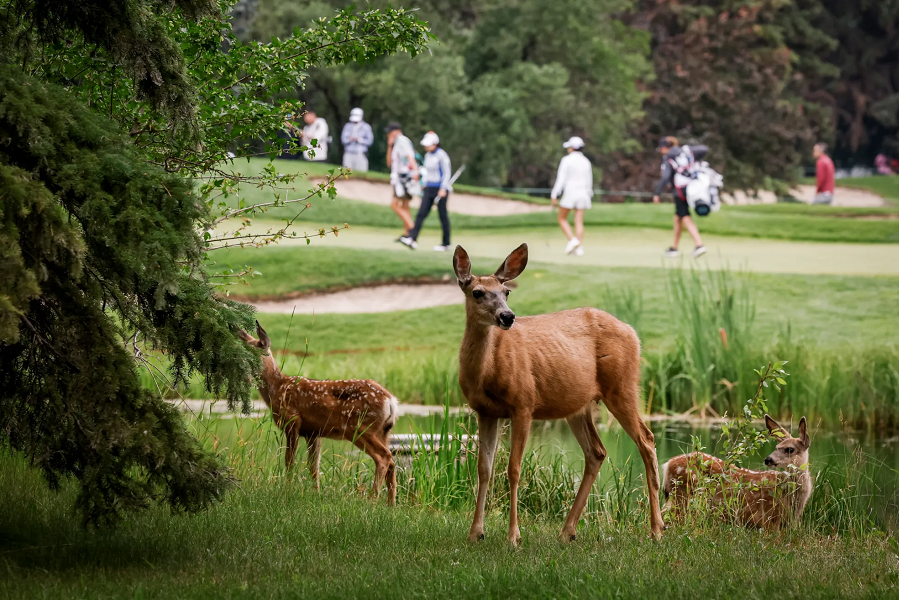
(709, 369)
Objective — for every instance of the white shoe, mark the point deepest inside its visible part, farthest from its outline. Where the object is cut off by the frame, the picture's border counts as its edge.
(572, 244)
(700, 250)
(579, 251)
(409, 242)
(442, 248)
(672, 253)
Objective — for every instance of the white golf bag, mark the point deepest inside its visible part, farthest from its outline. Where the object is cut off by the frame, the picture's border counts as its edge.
(702, 189)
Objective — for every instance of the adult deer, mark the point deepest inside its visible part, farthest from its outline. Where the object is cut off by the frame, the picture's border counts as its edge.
(554, 366)
(764, 499)
(360, 411)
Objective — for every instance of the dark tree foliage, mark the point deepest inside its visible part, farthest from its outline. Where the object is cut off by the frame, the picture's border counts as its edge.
(725, 76)
(504, 86)
(861, 88)
(109, 113)
(98, 243)
(130, 31)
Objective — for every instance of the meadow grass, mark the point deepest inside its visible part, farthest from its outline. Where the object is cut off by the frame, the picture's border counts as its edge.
(779, 221)
(277, 537)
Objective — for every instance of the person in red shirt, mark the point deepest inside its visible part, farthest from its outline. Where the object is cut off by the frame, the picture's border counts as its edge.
(823, 174)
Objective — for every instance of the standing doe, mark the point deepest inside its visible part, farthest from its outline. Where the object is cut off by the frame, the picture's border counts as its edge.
(764, 499)
(360, 411)
(554, 366)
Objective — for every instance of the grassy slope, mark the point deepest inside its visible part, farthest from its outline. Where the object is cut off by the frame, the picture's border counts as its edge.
(277, 538)
(826, 310)
(782, 221)
(293, 269)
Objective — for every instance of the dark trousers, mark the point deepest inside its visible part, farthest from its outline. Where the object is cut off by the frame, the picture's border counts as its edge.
(428, 195)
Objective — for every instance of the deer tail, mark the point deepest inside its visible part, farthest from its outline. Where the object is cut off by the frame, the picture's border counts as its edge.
(392, 413)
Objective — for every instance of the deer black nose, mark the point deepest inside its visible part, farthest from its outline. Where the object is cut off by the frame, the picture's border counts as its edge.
(507, 318)
(769, 462)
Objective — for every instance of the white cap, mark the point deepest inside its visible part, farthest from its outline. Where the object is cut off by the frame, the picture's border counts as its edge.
(355, 115)
(574, 142)
(430, 139)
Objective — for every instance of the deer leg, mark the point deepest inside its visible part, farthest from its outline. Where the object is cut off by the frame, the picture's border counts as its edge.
(584, 430)
(488, 435)
(379, 453)
(633, 425)
(313, 457)
(521, 426)
(293, 440)
(391, 474)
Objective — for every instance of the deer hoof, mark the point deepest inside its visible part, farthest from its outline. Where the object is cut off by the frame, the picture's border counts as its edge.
(572, 538)
(474, 538)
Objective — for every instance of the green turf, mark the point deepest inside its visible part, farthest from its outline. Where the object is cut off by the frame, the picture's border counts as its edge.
(277, 538)
(295, 269)
(782, 221)
(830, 311)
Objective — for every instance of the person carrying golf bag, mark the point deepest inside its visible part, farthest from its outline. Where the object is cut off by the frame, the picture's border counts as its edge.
(694, 184)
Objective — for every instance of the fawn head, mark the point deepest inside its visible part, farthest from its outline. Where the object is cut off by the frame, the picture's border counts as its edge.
(263, 343)
(790, 450)
(485, 297)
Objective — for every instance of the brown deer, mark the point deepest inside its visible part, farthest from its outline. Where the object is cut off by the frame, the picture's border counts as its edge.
(763, 499)
(360, 411)
(554, 366)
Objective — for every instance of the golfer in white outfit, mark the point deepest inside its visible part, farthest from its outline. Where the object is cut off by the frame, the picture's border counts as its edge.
(575, 184)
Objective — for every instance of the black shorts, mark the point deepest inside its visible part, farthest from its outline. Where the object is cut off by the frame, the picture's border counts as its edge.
(681, 208)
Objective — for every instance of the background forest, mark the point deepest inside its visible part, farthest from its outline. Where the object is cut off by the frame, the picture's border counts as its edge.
(757, 80)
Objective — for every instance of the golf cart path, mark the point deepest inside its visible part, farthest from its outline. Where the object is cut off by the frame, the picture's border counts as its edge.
(464, 204)
(369, 299)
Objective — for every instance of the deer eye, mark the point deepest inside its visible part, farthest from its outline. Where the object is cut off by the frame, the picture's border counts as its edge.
(789, 450)
(508, 292)
(477, 294)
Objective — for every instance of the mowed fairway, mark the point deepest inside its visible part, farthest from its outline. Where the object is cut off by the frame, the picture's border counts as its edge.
(635, 247)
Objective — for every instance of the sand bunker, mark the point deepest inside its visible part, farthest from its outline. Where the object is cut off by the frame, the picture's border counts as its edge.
(464, 204)
(845, 197)
(374, 299)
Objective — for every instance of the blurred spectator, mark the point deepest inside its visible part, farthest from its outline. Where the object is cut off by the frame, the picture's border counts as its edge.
(824, 174)
(404, 175)
(356, 137)
(574, 182)
(884, 165)
(316, 129)
(436, 182)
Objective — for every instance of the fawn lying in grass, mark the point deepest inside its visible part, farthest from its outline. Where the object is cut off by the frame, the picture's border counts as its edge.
(766, 499)
(360, 411)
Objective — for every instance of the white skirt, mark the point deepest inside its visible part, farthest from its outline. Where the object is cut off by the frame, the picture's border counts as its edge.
(576, 201)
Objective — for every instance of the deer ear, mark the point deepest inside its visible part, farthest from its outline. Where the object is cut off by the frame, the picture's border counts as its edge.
(462, 266)
(245, 336)
(513, 265)
(775, 428)
(803, 433)
(264, 342)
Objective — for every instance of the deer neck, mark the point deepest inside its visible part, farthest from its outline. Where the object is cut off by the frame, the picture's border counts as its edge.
(476, 353)
(271, 381)
(802, 480)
